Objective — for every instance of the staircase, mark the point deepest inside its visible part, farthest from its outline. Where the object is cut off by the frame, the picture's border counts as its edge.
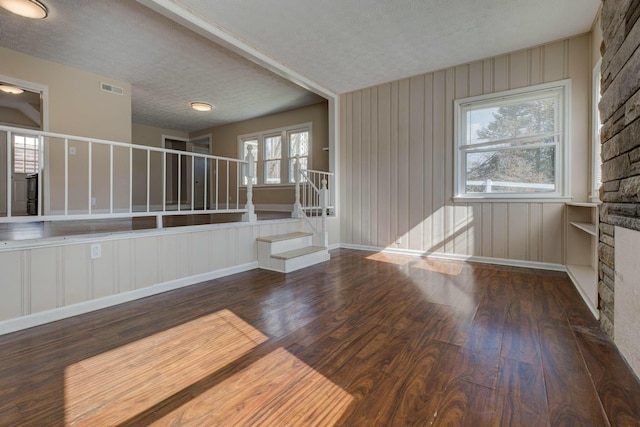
(289, 252)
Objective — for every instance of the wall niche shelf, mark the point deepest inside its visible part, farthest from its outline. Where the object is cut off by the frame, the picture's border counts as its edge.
(582, 250)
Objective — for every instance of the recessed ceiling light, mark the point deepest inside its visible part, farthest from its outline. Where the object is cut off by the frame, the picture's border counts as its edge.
(11, 89)
(28, 8)
(201, 106)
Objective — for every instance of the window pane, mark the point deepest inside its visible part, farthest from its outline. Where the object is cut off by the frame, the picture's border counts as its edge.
(272, 172)
(512, 120)
(25, 154)
(299, 144)
(273, 147)
(511, 171)
(303, 165)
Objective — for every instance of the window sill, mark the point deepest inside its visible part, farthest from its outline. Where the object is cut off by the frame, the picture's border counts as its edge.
(514, 199)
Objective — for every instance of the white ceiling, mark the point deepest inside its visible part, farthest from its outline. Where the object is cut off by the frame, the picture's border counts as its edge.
(341, 45)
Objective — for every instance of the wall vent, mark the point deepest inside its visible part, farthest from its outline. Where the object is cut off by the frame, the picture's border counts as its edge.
(111, 88)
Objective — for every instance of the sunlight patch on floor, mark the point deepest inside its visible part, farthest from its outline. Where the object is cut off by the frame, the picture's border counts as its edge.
(396, 259)
(276, 390)
(452, 268)
(112, 387)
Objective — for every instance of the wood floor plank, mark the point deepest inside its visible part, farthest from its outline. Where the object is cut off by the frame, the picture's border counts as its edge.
(362, 340)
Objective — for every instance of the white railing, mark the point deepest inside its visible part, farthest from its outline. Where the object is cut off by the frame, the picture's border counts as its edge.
(77, 174)
(313, 197)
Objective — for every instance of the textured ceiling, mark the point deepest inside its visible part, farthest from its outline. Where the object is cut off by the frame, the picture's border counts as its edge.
(341, 45)
(347, 45)
(166, 64)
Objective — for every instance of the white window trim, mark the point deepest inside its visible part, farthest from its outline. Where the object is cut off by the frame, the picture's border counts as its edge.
(284, 159)
(563, 183)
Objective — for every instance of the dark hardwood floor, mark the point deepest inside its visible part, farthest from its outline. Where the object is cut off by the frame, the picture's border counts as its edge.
(363, 340)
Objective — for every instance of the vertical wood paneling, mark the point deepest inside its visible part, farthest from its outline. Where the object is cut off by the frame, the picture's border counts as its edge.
(439, 147)
(535, 231)
(344, 163)
(428, 163)
(356, 194)
(394, 162)
(500, 235)
(125, 262)
(146, 262)
(519, 69)
(44, 274)
(410, 147)
(448, 162)
(554, 61)
(501, 73)
(76, 274)
(11, 289)
(366, 166)
(102, 271)
(403, 162)
(416, 162)
(385, 238)
(552, 234)
(200, 253)
(536, 66)
(518, 221)
(347, 169)
(373, 170)
(169, 269)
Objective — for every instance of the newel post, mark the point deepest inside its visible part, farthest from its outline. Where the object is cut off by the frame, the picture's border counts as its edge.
(250, 215)
(297, 208)
(324, 203)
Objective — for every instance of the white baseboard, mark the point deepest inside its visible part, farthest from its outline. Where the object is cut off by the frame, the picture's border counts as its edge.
(457, 257)
(36, 319)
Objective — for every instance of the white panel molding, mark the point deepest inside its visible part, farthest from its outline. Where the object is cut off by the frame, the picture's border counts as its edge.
(36, 319)
(458, 257)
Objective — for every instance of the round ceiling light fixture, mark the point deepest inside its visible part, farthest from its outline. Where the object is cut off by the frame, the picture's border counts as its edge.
(28, 8)
(201, 106)
(11, 89)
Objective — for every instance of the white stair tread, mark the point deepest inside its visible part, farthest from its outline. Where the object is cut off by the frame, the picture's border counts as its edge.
(281, 237)
(298, 252)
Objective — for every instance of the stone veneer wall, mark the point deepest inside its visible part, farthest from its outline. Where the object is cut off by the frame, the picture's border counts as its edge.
(620, 138)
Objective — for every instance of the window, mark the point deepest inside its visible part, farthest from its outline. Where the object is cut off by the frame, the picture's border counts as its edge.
(298, 146)
(25, 154)
(275, 151)
(513, 144)
(253, 143)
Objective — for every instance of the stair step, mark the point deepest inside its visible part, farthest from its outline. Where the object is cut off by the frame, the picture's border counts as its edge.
(298, 252)
(282, 237)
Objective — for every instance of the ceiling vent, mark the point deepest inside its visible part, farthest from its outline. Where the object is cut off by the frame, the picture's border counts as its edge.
(111, 88)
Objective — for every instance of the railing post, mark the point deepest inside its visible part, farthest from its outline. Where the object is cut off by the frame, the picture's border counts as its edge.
(297, 208)
(250, 215)
(487, 188)
(324, 203)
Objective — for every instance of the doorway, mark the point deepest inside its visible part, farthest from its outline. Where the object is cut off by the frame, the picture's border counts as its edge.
(22, 105)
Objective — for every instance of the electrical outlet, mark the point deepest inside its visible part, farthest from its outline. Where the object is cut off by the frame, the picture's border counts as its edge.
(93, 201)
(398, 240)
(96, 250)
(72, 151)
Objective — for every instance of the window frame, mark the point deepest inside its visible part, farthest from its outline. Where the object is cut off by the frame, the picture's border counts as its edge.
(596, 144)
(290, 157)
(561, 89)
(261, 136)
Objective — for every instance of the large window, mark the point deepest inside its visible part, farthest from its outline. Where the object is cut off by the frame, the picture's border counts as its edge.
(513, 144)
(275, 151)
(25, 154)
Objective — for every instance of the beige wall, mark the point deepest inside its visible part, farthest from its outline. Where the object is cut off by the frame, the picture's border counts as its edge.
(77, 106)
(396, 160)
(596, 39)
(225, 143)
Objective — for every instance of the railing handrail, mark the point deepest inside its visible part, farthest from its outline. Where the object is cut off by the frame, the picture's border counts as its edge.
(315, 171)
(36, 132)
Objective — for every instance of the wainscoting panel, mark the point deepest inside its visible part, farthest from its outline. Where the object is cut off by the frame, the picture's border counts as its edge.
(396, 160)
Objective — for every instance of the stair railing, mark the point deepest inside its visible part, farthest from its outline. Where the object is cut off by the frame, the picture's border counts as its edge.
(313, 198)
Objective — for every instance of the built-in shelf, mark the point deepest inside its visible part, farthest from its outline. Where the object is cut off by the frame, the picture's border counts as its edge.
(586, 226)
(582, 251)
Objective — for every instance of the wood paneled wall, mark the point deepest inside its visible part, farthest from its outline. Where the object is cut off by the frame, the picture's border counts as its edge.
(34, 280)
(396, 160)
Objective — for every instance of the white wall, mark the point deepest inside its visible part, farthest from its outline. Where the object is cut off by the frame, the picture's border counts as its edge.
(396, 160)
(59, 279)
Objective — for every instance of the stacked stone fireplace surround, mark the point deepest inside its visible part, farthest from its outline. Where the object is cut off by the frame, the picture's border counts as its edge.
(620, 137)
